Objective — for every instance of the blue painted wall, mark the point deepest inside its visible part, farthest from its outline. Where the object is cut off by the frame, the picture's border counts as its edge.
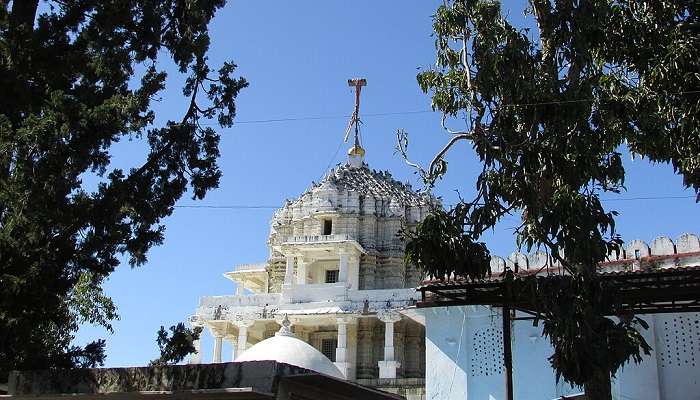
(464, 358)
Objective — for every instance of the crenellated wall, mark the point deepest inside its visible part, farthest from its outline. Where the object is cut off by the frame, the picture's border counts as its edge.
(636, 254)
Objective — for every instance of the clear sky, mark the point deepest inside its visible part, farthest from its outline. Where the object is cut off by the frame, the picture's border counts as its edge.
(298, 56)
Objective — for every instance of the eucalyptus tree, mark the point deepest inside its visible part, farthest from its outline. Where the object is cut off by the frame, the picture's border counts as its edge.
(77, 77)
(549, 112)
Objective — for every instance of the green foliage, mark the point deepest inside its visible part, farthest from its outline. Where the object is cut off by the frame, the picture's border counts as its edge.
(439, 245)
(572, 309)
(549, 114)
(177, 346)
(77, 78)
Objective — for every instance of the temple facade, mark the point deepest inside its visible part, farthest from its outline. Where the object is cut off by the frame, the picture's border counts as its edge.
(336, 270)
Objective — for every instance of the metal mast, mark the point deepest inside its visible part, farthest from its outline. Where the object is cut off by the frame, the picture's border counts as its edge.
(357, 83)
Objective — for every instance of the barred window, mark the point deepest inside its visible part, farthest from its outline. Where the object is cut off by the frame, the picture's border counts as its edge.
(328, 348)
(332, 276)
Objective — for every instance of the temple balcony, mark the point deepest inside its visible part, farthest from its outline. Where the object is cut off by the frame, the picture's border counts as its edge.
(311, 299)
(218, 307)
(318, 238)
(316, 245)
(253, 277)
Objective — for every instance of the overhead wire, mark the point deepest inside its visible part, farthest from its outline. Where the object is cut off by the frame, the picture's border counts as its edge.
(335, 154)
(382, 114)
(257, 206)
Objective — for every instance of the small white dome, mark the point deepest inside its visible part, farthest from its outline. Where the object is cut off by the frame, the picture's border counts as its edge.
(286, 348)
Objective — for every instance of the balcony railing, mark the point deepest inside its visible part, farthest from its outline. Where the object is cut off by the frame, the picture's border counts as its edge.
(250, 267)
(260, 299)
(318, 238)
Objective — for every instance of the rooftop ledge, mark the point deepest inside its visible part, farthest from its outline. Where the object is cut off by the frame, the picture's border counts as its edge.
(318, 239)
(318, 242)
(257, 267)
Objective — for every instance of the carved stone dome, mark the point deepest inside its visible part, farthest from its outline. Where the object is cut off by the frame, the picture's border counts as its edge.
(284, 347)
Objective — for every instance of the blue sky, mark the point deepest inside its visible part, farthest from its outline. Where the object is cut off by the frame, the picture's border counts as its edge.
(298, 57)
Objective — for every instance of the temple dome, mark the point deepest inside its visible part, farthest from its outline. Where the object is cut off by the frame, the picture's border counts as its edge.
(284, 347)
(378, 184)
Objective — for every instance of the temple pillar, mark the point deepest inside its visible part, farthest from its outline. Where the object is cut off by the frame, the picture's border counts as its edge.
(365, 366)
(218, 339)
(343, 266)
(289, 272)
(218, 334)
(301, 271)
(341, 351)
(232, 339)
(388, 366)
(243, 335)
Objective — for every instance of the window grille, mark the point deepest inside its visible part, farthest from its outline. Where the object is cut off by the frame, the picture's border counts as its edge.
(332, 276)
(328, 348)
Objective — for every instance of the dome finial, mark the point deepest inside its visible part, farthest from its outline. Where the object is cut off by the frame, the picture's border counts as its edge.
(356, 153)
(285, 330)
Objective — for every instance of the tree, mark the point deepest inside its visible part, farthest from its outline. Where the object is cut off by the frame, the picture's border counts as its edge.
(177, 346)
(548, 113)
(78, 77)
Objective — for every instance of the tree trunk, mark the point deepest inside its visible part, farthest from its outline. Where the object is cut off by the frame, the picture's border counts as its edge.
(23, 13)
(21, 27)
(598, 388)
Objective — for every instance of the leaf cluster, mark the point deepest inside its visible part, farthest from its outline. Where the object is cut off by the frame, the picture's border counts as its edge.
(79, 77)
(572, 309)
(176, 346)
(549, 114)
(440, 246)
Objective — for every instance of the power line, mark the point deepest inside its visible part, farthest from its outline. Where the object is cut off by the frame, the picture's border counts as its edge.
(649, 198)
(390, 113)
(337, 150)
(267, 207)
(327, 117)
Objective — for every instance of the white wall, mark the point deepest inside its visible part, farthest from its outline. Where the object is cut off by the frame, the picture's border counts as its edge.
(678, 355)
(464, 358)
(445, 348)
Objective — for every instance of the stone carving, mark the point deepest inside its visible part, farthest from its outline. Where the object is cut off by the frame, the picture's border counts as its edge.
(388, 315)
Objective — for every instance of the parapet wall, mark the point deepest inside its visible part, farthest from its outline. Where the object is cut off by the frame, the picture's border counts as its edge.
(260, 375)
(662, 253)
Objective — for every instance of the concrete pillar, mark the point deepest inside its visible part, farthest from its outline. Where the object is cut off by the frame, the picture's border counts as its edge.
(289, 272)
(217, 349)
(388, 340)
(342, 358)
(243, 335)
(343, 266)
(340, 355)
(232, 339)
(365, 366)
(387, 367)
(301, 271)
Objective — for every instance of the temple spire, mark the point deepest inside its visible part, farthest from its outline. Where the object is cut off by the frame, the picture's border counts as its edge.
(356, 153)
